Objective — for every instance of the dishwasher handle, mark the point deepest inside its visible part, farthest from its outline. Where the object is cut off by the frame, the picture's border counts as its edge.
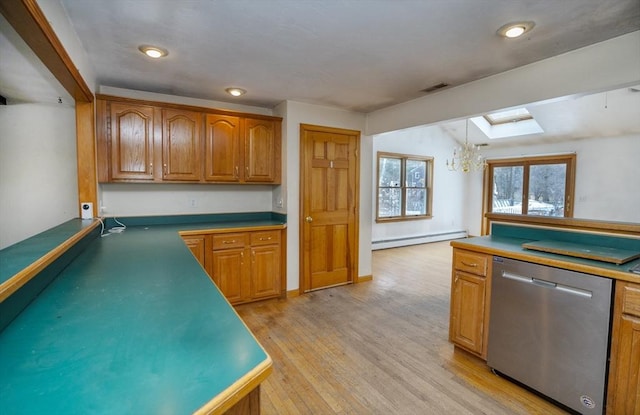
(547, 284)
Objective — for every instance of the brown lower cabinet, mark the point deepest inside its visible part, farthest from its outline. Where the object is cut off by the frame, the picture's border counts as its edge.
(245, 265)
(470, 295)
(623, 397)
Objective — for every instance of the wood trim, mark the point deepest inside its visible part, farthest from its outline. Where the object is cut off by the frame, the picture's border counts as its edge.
(624, 228)
(86, 156)
(187, 107)
(226, 399)
(231, 230)
(364, 278)
(25, 275)
(31, 24)
(293, 293)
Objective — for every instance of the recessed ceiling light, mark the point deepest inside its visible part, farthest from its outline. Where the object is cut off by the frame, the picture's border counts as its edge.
(153, 51)
(236, 92)
(517, 29)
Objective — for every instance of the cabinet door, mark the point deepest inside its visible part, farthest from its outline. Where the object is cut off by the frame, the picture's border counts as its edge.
(260, 150)
(265, 271)
(196, 245)
(131, 141)
(467, 311)
(230, 274)
(181, 145)
(624, 371)
(222, 149)
(625, 398)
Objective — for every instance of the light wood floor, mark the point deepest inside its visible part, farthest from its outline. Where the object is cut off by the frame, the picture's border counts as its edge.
(379, 347)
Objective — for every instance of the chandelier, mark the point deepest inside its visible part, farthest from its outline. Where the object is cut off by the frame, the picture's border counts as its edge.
(466, 158)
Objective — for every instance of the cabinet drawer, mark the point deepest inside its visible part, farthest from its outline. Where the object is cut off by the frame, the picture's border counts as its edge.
(229, 240)
(265, 238)
(471, 262)
(631, 299)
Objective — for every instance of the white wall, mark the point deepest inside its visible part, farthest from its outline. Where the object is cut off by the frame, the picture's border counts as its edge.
(175, 199)
(294, 114)
(449, 189)
(38, 178)
(141, 199)
(607, 171)
(603, 66)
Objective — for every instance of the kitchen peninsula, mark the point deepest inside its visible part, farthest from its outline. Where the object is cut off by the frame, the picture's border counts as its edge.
(134, 325)
(474, 272)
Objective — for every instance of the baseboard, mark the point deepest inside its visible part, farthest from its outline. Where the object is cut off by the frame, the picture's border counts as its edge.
(418, 239)
(293, 293)
(365, 278)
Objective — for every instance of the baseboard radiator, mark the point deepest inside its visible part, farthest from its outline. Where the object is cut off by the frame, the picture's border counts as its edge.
(417, 239)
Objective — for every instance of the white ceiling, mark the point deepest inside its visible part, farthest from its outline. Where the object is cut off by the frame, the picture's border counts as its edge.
(358, 55)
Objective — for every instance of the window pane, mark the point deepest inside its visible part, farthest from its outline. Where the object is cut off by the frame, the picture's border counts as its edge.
(389, 202)
(547, 189)
(389, 172)
(507, 189)
(416, 173)
(416, 202)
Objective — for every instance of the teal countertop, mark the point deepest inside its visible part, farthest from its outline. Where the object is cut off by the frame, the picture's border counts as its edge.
(20, 255)
(509, 246)
(132, 325)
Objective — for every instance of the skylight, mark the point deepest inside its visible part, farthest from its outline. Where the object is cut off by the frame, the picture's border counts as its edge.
(510, 123)
(503, 117)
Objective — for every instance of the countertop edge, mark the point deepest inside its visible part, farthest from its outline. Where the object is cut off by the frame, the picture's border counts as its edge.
(589, 269)
(211, 230)
(226, 399)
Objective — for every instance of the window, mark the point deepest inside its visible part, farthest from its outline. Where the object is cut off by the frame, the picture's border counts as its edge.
(404, 187)
(504, 117)
(545, 183)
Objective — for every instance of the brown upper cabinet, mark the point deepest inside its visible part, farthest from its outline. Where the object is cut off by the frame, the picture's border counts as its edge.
(181, 145)
(144, 141)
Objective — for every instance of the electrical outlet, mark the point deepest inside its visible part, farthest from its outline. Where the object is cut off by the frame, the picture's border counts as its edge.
(279, 203)
(193, 202)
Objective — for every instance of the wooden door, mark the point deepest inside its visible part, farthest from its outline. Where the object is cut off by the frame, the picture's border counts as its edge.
(222, 149)
(181, 145)
(467, 311)
(131, 141)
(260, 150)
(329, 207)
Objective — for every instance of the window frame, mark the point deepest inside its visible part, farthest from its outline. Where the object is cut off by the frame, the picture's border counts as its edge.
(526, 162)
(429, 160)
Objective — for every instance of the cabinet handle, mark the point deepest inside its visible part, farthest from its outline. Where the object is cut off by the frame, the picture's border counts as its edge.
(236, 175)
(229, 242)
(242, 257)
(265, 239)
(253, 256)
(473, 265)
(246, 169)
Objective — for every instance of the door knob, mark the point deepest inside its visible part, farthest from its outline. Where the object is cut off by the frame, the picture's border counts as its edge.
(309, 219)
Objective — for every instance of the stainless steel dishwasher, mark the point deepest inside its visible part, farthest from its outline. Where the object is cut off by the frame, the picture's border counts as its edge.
(549, 330)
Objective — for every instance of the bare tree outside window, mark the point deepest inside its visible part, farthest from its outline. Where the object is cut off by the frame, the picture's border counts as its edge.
(404, 183)
(544, 184)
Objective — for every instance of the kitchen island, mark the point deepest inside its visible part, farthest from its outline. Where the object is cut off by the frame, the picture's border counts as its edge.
(132, 325)
(472, 282)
